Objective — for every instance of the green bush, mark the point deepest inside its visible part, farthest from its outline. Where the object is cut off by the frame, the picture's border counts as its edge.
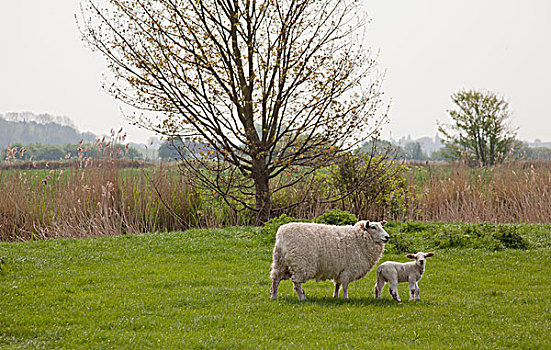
(415, 226)
(509, 237)
(411, 237)
(336, 217)
(465, 237)
(402, 243)
(376, 179)
(270, 228)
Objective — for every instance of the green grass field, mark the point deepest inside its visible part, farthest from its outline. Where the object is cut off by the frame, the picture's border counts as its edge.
(210, 289)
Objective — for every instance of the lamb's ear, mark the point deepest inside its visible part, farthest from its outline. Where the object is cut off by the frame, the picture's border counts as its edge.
(383, 222)
(428, 255)
(362, 224)
(410, 256)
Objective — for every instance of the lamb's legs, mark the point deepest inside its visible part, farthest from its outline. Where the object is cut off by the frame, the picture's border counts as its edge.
(336, 292)
(414, 291)
(379, 286)
(300, 292)
(273, 289)
(393, 289)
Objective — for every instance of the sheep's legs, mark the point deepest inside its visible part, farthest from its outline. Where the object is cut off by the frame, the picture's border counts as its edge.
(345, 291)
(393, 289)
(336, 292)
(300, 292)
(273, 289)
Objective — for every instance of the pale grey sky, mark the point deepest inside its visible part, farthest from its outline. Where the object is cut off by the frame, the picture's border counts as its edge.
(429, 49)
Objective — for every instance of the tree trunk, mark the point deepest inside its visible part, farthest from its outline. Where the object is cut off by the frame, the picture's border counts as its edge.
(263, 202)
(262, 193)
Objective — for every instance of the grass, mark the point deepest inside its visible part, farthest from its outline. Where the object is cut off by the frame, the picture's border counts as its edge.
(210, 289)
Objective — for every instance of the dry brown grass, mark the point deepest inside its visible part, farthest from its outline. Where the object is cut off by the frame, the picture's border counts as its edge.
(101, 198)
(509, 193)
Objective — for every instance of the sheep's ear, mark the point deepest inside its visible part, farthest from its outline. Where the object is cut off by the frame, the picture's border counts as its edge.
(428, 255)
(383, 222)
(410, 256)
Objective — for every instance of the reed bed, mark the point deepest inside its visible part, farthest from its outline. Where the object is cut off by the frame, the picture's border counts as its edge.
(97, 199)
(518, 192)
(103, 198)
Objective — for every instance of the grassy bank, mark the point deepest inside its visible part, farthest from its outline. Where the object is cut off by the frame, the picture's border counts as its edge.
(210, 288)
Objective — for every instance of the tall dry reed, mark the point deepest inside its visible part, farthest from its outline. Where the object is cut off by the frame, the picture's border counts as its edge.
(510, 193)
(96, 200)
(101, 198)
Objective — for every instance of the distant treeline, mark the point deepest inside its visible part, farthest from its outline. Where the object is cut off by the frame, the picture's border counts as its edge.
(28, 128)
(414, 151)
(38, 152)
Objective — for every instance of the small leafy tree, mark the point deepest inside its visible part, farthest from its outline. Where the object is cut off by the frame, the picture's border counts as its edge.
(371, 185)
(480, 131)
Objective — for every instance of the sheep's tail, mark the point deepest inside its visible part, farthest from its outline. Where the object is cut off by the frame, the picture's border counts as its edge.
(280, 269)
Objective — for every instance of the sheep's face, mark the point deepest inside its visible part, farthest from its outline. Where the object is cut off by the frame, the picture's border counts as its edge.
(420, 258)
(376, 230)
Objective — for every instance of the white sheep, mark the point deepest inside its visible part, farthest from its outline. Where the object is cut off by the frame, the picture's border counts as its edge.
(305, 251)
(395, 272)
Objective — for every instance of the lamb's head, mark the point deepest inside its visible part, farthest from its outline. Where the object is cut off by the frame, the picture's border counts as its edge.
(375, 230)
(420, 258)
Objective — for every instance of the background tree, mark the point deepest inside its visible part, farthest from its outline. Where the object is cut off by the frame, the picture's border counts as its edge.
(414, 151)
(480, 130)
(272, 87)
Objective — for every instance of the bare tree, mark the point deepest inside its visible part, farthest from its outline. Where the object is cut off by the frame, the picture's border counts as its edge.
(272, 87)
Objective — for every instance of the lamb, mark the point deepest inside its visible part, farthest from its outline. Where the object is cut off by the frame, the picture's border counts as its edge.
(395, 272)
(305, 251)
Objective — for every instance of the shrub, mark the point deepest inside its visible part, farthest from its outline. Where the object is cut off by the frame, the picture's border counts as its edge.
(402, 243)
(509, 237)
(376, 179)
(336, 217)
(415, 226)
(270, 228)
(411, 237)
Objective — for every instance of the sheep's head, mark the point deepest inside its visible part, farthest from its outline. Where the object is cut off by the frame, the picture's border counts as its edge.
(375, 230)
(420, 258)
